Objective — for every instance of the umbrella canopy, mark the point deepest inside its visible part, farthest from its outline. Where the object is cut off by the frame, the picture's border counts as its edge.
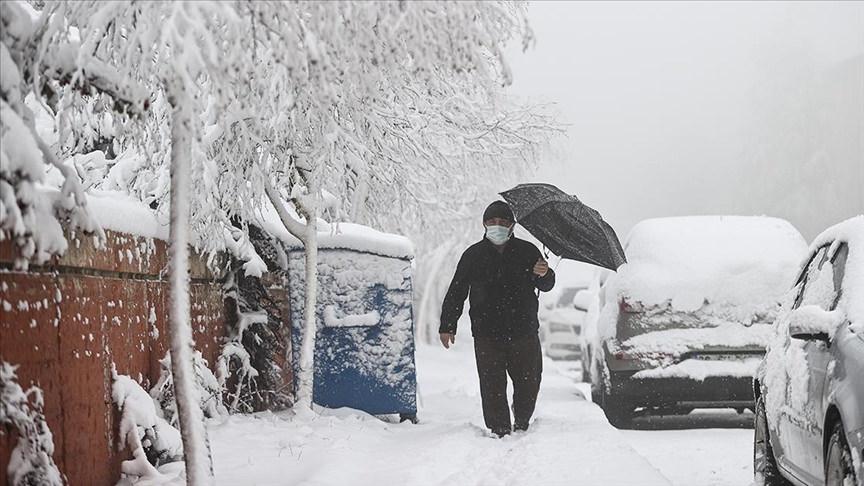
(565, 225)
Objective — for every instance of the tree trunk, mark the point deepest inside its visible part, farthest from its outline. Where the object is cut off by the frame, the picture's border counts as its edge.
(306, 376)
(194, 435)
(308, 235)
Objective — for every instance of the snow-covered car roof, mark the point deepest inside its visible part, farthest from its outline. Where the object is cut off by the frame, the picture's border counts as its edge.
(583, 298)
(851, 232)
(746, 261)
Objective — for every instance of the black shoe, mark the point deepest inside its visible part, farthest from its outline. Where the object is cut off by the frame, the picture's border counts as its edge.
(520, 427)
(501, 432)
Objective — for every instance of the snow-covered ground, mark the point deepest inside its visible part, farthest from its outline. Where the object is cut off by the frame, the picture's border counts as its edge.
(705, 448)
(570, 443)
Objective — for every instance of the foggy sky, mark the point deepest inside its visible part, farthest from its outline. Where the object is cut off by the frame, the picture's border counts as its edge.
(702, 108)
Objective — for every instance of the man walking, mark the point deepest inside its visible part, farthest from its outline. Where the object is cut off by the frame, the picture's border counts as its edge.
(499, 274)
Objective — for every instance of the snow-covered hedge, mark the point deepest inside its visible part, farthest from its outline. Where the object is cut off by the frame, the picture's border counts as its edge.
(209, 390)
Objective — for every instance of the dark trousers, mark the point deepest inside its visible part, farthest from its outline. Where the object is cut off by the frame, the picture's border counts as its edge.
(522, 359)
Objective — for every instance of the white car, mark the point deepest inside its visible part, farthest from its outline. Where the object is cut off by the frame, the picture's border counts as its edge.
(559, 333)
(591, 300)
(810, 387)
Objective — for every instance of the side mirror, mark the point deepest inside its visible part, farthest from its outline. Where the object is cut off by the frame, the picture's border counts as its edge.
(811, 322)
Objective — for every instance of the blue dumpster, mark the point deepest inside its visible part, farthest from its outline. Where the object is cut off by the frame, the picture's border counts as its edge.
(364, 350)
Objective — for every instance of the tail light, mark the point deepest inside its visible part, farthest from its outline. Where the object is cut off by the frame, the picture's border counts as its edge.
(629, 306)
(622, 356)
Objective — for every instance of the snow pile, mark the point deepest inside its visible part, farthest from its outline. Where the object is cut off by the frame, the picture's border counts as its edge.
(851, 232)
(31, 461)
(699, 369)
(744, 261)
(680, 341)
(117, 211)
(152, 440)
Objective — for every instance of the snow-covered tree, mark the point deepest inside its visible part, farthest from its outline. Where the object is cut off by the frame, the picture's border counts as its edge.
(33, 65)
(177, 51)
(374, 104)
(277, 104)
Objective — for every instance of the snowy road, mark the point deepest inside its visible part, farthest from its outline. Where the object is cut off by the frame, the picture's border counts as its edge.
(705, 448)
(570, 442)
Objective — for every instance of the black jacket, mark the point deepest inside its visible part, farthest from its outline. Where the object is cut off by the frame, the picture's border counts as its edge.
(501, 289)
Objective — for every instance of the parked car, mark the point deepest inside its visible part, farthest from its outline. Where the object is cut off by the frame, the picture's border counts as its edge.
(559, 333)
(590, 301)
(685, 322)
(810, 387)
(557, 299)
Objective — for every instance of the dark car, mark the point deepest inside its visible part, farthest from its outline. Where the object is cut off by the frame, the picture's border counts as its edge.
(810, 387)
(685, 322)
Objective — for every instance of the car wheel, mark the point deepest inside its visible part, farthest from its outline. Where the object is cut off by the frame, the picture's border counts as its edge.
(765, 470)
(839, 470)
(618, 411)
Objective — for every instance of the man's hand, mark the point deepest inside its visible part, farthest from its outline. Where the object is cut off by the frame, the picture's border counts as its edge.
(447, 339)
(541, 267)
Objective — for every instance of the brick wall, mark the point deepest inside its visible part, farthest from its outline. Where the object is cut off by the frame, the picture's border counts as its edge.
(67, 322)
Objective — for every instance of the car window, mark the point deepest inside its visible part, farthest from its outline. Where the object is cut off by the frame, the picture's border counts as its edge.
(839, 264)
(810, 268)
(819, 283)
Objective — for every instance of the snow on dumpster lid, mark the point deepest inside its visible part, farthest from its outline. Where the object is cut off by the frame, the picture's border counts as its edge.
(850, 231)
(349, 236)
(747, 261)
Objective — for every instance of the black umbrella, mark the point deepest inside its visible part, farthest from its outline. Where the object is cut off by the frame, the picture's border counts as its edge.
(565, 225)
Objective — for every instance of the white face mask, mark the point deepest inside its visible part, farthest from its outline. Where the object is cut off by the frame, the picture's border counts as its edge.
(498, 235)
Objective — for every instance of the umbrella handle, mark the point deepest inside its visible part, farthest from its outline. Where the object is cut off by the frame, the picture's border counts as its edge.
(546, 256)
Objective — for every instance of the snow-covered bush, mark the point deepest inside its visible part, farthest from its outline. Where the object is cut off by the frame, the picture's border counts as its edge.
(151, 439)
(250, 365)
(209, 391)
(32, 462)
